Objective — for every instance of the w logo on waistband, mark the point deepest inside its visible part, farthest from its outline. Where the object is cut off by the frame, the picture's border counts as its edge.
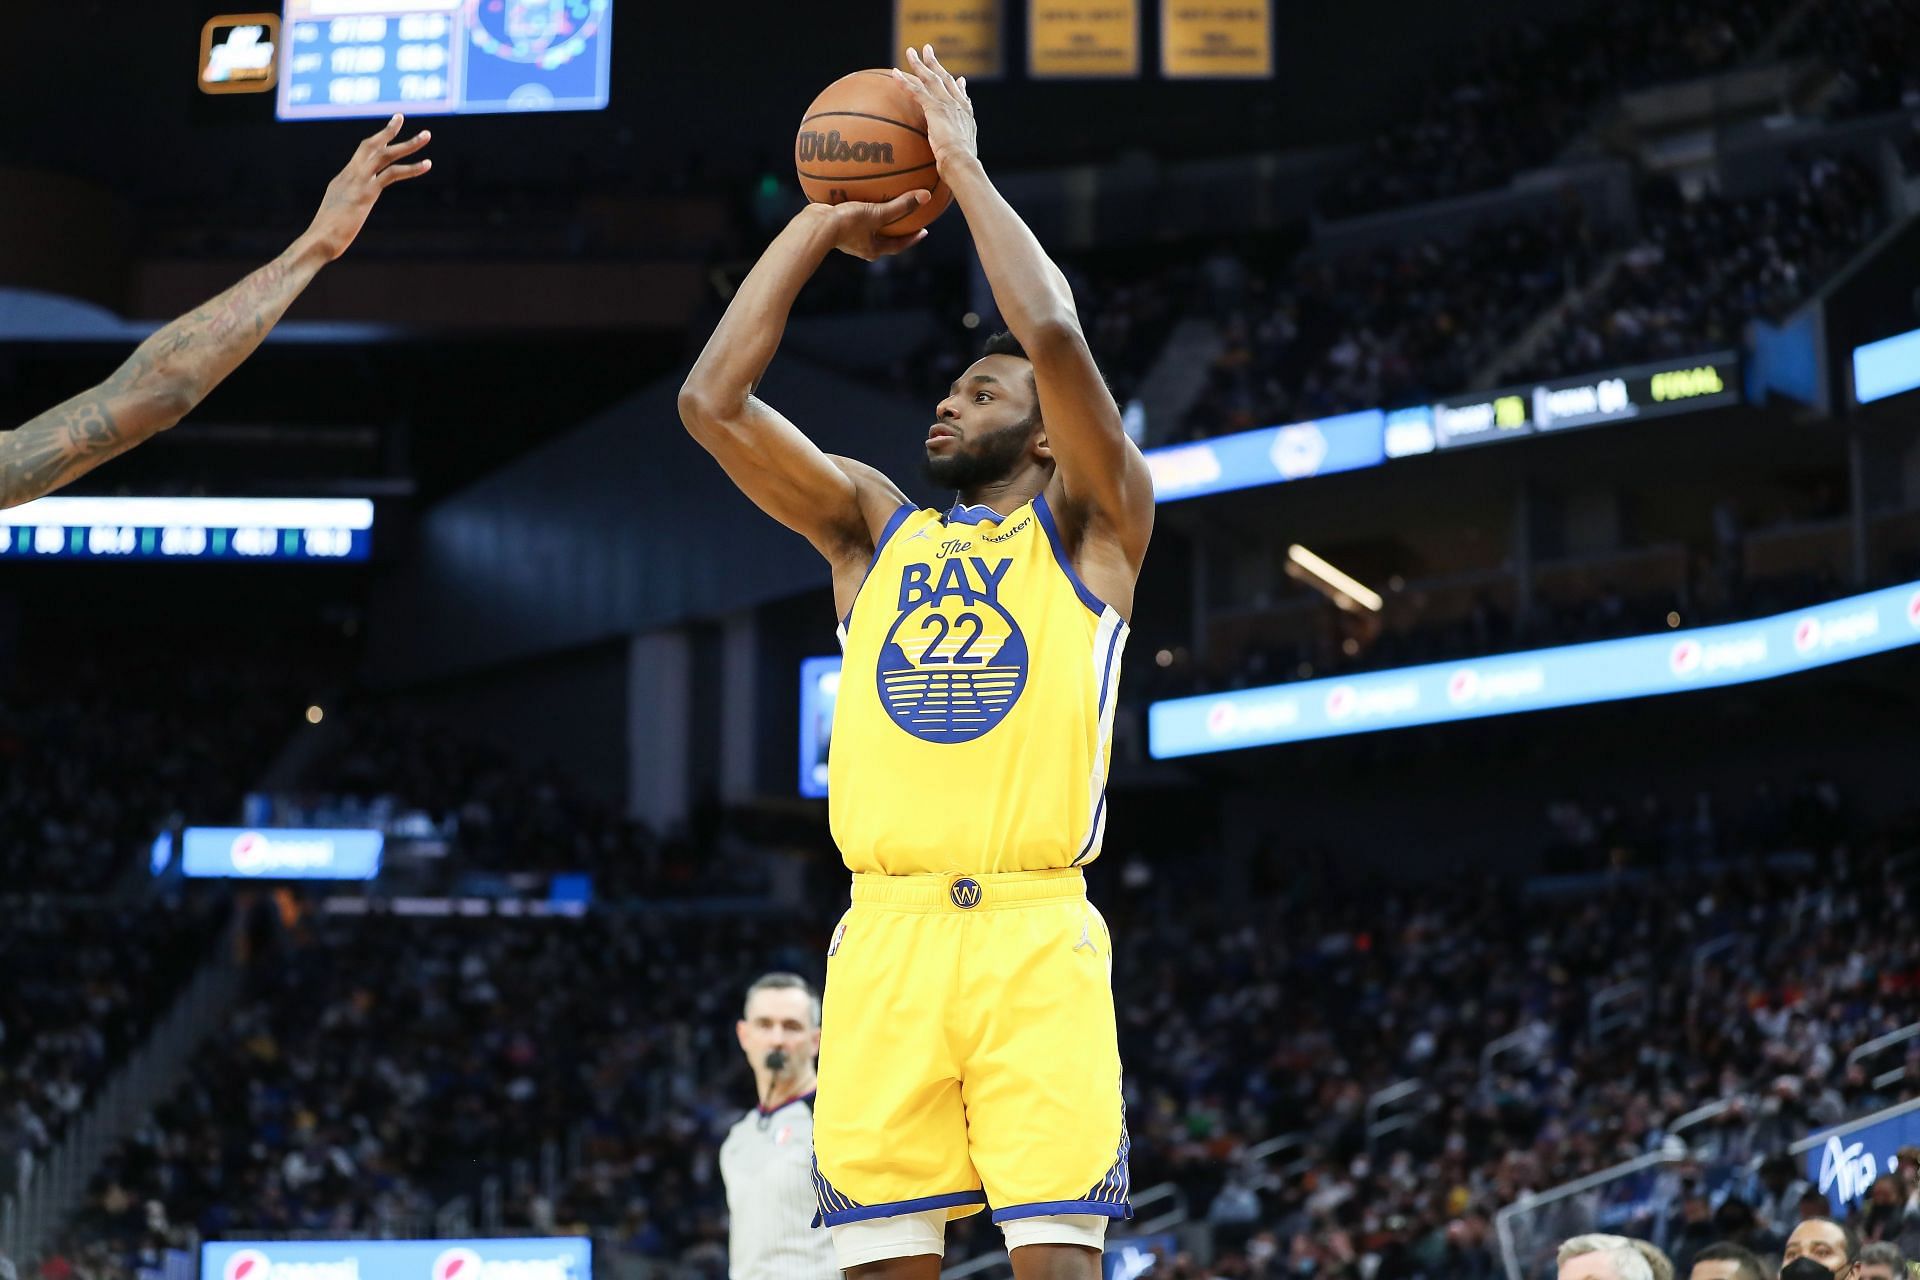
(965, 893)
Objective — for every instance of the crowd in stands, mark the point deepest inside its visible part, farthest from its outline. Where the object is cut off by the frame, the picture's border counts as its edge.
(82, 984)
(1705, 266)
(1408, 323)
(1287, 1023)
(1383, 326)
(98, 755)
(1874, 44)
(1404, 637)
(504, 809)
(376, 1069)
(1535, 86)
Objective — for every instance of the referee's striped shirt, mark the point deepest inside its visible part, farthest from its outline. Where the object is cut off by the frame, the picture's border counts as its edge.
(767, 1164)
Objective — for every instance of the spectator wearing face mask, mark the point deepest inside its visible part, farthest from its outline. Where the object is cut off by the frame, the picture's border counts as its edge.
(1821, 1249)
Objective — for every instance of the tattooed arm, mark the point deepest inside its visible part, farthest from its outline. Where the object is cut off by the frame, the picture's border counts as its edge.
(171, 372)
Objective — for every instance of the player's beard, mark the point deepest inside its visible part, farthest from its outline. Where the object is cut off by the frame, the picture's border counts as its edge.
(968, 469)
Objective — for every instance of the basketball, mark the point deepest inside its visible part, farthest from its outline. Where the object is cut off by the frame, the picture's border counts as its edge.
(865, 138)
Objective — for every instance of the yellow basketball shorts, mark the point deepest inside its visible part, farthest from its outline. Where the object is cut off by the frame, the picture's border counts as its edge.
(968, 1053)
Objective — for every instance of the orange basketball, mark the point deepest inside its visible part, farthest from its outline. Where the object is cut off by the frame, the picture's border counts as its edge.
(865, 138)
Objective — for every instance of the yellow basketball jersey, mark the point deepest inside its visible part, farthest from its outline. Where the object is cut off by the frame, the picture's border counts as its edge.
(975, 712)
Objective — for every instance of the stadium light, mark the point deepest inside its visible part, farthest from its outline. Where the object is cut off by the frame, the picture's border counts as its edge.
(1342, 588)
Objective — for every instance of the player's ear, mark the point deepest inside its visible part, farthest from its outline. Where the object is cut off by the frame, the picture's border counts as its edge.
(740, 1033)
(1041, 449)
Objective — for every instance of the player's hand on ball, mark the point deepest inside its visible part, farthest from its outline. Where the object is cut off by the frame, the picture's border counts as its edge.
(857, 225)
(950, 125)
(375, 167)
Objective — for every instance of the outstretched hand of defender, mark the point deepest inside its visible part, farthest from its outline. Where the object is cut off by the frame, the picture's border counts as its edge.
(857, 225)
(350, 196)
(951, 131)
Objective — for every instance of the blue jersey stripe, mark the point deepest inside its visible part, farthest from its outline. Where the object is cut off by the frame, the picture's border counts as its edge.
(894, 521)
(1045, 512)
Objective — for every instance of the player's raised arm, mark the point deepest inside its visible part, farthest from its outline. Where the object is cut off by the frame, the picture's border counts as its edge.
(175, 369)
(832, 503)
(1096, 464)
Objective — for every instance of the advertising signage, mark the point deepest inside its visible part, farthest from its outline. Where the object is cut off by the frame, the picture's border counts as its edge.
(1539, 679)
(1623, 395)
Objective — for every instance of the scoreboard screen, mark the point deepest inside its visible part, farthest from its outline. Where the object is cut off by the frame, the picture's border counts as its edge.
(188, 529)
(348, 58)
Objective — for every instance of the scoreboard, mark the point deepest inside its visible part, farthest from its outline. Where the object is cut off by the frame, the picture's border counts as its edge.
(348, 58)
(188, 529)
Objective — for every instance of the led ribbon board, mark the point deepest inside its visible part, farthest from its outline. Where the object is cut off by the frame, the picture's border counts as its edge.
(279, 853)
(1571, 675)
(188, 529)
(1272, 455)
(525, 1259)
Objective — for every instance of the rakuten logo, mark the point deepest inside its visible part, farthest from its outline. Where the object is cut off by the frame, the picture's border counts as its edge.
(252, 1264)
(465, 1264)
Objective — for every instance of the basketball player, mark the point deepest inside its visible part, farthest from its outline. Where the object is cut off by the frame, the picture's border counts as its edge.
(175, 369)
(767, 1159)
(969, 1056)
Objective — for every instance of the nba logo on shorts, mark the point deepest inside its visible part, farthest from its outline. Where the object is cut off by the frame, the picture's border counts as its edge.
(965, 893)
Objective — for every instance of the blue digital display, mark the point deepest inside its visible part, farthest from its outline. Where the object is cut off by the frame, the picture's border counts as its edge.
(280, 853)
(819, 689)
(371, 58)
(1887, 367)
(188, 529)
(1351, 441)
(525, 1259)
(1671, 662)
(1269, 456)
(1846, 1165)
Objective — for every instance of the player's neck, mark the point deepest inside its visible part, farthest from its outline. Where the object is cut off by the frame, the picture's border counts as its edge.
(778, 1093)
(1006, 496)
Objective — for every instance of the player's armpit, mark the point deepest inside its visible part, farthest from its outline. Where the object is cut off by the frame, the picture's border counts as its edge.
(879, 496)
(786, 475)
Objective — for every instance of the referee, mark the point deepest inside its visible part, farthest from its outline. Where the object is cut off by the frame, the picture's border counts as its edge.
(767, 1159)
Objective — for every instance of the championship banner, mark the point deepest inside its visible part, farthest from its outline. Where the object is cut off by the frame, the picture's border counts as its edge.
(966, 35)
(1232, 40)
(1085, 40)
